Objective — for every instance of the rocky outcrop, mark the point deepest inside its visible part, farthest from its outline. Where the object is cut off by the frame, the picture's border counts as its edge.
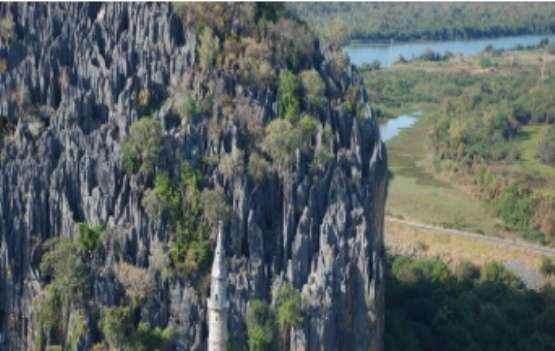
(68, 95)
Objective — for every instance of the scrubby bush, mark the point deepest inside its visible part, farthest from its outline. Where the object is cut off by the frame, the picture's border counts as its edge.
(283, 139)
(544, 218)
(259, 169)
(515, 206)
(190, 109)
(232, 163)
(117, 326)
(280, 141)
(121, 334)
(215, 206)
(314, 87)
(62, 267)
(260, 325)
(89, 238)
(148, 338)
(288, 307)
(546, 146)
(497, 273)
(136, 280)
(288, 95)
(142, 147)
(293, 44)
(208, 48)
(190, 248)
(409, 270)
(157, 200)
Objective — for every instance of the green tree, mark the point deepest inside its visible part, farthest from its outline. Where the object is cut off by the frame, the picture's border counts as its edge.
(497, 273)
(62, 266)
(158, 199)
(515, 206)
(306, 130)
(215, 206)
(117, 326)
(260, 325)
(89, 238)
(281, 141)
(288, 310)
(190, 249)
(288, 95)
(142, 147)
(314, 87)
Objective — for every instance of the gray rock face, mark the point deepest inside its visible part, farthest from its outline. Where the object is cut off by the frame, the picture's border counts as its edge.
(67, 100)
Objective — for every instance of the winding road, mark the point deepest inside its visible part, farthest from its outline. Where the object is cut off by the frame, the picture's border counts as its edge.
(515, 244)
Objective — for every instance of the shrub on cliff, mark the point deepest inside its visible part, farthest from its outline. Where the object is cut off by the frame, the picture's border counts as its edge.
(288, 307)
(121, 333)
(314, 87)
(258, 168)
(288, 95)
(89, 238)
(260, 325)
(190, 109)
(141, 148)
(63, 268)
(117, 326)
(215, 206)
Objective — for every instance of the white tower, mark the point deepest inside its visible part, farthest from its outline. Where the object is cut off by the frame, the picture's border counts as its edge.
(218, 304)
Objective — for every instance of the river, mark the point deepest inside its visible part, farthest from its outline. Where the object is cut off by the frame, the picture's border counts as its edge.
(387, 54)
(393, 126)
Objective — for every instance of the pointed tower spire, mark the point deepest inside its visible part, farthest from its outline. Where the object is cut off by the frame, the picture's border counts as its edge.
(218, 304)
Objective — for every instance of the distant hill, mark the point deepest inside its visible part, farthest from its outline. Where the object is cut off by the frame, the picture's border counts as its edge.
(425, 21)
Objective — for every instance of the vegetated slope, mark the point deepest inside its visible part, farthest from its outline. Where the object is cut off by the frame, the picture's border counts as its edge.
(483, 128)
(430, 21)
(129, 130)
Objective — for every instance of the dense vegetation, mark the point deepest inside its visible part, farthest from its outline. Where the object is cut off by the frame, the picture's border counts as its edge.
(414, 21)
(477, 121)
(66, 266)
(546, 146)
(269, 326)
(430, 306)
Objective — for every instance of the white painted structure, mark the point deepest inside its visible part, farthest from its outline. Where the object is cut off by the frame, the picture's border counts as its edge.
(218, 304)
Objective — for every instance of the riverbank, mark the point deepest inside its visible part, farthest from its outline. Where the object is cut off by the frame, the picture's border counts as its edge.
(387, 55)
(416, 193)
(444, 192)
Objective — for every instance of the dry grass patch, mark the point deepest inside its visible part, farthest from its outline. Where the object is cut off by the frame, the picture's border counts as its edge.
(404, 240)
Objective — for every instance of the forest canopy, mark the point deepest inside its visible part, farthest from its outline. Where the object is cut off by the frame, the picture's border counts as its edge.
(425, 21)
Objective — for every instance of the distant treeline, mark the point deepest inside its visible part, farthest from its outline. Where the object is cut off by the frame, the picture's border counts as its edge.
(425, 21)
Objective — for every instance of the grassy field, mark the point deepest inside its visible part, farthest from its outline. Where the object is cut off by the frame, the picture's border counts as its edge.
(416, 194)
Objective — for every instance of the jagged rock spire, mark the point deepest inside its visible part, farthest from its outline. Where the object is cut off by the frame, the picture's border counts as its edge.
(218, 303)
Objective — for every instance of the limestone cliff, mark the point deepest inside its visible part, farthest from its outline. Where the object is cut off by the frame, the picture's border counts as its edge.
(73, 80)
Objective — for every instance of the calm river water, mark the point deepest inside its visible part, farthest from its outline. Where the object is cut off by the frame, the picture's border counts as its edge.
(390, 128)
(388, 54)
